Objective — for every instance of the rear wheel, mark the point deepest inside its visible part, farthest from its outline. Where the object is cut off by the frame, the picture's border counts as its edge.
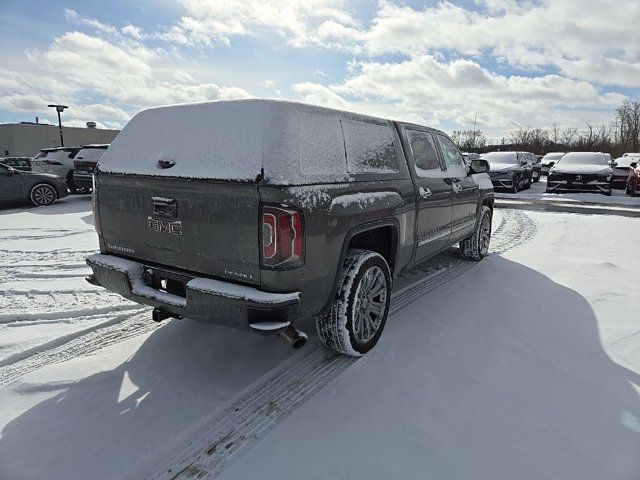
(359, 311)
(476, 246)
(43, 194)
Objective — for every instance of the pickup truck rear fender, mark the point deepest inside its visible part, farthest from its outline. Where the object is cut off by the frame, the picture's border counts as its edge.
(332, 216)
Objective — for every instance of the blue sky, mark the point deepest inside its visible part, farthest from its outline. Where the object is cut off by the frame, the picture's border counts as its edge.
(512, 63)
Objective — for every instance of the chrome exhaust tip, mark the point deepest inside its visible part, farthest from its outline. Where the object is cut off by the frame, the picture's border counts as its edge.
(294, 337)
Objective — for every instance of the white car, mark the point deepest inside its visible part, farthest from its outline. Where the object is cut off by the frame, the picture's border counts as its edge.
(57, 161)
(549, 160)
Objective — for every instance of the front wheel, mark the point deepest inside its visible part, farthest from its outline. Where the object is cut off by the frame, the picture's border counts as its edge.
(359, 311)
(476, 246)
(43, 195)
(514, 184)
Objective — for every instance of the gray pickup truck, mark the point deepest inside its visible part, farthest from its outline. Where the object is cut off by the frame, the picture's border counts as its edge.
(256, 214)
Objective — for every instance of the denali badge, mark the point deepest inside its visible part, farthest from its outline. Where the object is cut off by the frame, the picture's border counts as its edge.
(578, 177)
(165, 226)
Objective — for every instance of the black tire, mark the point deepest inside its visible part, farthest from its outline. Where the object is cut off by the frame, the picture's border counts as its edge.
(514, 184)
(342, 329)
(43, 195)
(537, 179)
(476, 247)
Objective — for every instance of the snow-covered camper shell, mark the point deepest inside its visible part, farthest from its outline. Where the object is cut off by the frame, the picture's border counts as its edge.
(266, 141)
(243, 213)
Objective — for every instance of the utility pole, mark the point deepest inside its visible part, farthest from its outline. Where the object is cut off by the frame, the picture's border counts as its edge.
(59, 109)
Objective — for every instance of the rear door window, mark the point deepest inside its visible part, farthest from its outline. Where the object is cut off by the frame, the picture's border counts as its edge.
(370, 148)
(424, 152)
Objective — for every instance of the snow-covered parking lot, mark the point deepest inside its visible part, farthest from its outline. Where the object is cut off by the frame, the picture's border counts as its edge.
(525, 365)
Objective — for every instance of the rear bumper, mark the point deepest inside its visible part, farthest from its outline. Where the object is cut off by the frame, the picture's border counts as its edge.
(62, 190)
(83, 180)
(205, 299)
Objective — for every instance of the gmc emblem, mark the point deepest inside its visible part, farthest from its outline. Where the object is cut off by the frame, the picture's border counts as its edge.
(165, 226)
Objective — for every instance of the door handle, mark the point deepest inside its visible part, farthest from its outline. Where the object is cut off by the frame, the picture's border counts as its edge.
(456, 187)
(424, 193)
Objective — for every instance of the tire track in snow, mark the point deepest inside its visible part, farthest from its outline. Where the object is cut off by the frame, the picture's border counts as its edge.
(229, 434)
(75, 345)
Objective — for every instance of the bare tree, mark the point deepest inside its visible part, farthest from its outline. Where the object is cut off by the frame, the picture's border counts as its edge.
(469, 139)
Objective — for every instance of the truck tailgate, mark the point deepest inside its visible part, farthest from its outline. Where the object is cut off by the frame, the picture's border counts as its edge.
(202, 226)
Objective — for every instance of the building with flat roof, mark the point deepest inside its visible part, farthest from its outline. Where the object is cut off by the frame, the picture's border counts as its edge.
(26, 139)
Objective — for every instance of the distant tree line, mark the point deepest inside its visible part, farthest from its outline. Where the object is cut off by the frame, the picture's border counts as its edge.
(621, 135)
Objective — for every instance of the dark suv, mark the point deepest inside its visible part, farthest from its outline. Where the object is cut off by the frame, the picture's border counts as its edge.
(255, 214)
(85, 163)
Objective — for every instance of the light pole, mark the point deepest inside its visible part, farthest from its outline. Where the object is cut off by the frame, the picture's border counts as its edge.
(59, 109)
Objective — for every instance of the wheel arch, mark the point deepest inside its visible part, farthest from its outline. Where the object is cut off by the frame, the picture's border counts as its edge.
(369, 236)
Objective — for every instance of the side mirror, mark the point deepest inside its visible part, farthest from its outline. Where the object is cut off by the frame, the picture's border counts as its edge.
(479, 166)
(551, 164)
(613, 163)
(633, 164)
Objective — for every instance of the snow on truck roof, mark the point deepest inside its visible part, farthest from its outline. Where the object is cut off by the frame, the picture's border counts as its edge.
(242, 140)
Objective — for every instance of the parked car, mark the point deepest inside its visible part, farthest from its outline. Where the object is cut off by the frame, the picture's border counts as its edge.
(622, 171)
(85, 164)
(38, 188)
(633, 181)
(470, 156)
(18, 163)
(535, 169)
(549, 160)
(581, 172)
(508, 170)
(58, 161)
(317, 211)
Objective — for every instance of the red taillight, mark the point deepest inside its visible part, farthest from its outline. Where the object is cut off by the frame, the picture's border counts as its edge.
(282, 237)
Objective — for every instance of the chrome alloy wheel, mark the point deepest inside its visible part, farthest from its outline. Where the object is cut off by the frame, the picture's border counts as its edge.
(370, 304)
(485, 233)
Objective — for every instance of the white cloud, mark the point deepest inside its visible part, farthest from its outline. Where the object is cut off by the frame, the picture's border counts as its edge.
(126, 74)
(574, 36)
(436, 75)
(439, 93)
(210, 22)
